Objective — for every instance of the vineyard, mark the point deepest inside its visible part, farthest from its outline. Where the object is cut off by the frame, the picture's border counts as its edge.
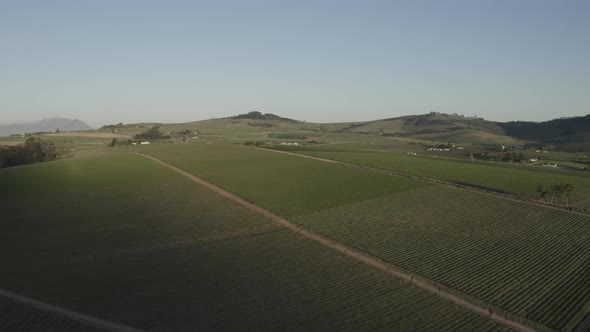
(503, 178)
(529, 261)
(285, 185)
(121, 238)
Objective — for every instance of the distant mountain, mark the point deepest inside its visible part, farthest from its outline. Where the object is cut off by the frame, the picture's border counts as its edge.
(46, 125)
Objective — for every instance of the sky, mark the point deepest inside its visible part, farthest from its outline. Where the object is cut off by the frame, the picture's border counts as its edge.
(318, 60)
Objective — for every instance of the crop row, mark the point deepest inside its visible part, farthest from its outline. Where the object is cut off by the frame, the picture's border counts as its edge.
(525, 259)
(528, 260)
(166, 253)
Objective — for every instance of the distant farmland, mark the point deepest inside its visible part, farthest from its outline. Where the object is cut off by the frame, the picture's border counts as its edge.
(501, 177)
(524, 260)
(123, 239)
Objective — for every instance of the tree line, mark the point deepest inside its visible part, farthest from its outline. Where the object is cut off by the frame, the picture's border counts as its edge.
(35, 150)
(557, 193)
(152, 133)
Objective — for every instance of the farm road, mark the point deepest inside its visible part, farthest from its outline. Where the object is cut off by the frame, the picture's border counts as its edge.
(360, 256)
(75, 316)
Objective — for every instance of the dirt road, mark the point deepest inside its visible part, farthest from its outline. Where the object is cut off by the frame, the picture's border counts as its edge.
(90, 134)
(75, 316)
(360, 256)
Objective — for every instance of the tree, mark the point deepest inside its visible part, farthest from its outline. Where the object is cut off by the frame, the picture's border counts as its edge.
(542, 192)
(152, 133)
(567, 189)
(38, 150)
(114, 143)
(35, 150)
(558, 192)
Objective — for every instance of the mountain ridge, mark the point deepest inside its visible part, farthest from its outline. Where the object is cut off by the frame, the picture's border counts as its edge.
(45, 125)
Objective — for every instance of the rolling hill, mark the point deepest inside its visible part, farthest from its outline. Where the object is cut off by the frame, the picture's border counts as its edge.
(567, 133)
(432, 126)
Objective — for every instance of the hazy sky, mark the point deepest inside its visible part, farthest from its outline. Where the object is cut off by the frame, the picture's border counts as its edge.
(170, 61)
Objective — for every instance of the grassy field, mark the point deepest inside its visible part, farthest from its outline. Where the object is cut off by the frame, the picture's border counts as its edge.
(433, 127)
(12, 140)
(286, 185)
(521, 180)
(529, 260)
(121, 238)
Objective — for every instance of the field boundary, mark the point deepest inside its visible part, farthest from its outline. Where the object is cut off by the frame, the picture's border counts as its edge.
(372, 261)
(73, 315)
(87, 134)
(456, 185)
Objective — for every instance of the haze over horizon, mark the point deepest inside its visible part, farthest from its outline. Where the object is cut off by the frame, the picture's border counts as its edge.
(329, 61)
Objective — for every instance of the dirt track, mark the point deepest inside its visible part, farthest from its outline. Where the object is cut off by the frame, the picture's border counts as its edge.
(75, 316)
(302, 155)
(90, 134)
(360, 256)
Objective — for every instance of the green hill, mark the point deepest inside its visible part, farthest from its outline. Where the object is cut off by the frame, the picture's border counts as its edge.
(432, 126)
(567, 133)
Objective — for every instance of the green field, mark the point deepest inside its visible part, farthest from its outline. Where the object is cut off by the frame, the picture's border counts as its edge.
(121, 238)
(529, 260)
(289, 186)
(521, 180)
